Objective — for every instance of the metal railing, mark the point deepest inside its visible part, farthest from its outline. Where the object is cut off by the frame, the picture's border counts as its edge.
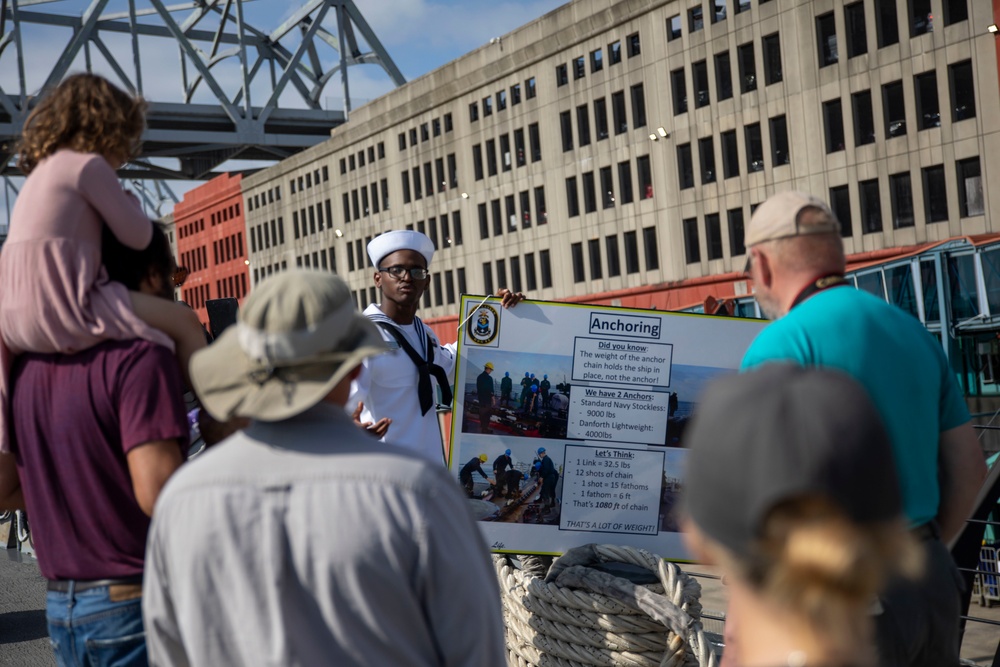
(968, 551)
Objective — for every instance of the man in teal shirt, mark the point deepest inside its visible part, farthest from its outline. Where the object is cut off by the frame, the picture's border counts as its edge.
(796, 260)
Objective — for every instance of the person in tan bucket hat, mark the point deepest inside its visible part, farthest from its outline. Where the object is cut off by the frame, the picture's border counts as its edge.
(296, 339)
(314, 540)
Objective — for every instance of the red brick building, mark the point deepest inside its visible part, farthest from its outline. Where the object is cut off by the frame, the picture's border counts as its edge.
(210, 243)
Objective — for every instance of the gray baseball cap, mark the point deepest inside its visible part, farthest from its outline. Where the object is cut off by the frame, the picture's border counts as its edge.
(781, 432)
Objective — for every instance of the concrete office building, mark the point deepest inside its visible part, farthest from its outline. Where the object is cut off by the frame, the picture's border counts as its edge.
(617, 149)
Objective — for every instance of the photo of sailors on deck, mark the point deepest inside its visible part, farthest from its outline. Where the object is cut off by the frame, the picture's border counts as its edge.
(514, 393)
(518, 484)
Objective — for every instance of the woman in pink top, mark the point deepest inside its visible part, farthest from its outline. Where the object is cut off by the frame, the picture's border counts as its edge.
(55, 295)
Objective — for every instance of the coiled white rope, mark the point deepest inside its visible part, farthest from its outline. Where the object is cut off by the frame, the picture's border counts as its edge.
(575, 616)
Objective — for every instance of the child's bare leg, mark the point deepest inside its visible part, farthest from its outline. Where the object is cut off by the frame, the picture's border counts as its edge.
(176, 320)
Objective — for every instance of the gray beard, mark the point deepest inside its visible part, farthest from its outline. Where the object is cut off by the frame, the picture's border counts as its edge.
(769, 309)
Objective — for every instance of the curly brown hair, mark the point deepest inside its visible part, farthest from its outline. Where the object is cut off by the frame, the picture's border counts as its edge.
(85, 113)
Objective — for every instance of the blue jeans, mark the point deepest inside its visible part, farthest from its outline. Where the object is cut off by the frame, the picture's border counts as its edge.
(88, 629)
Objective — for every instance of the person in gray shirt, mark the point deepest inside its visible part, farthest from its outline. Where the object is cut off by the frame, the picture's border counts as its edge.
(301, 540)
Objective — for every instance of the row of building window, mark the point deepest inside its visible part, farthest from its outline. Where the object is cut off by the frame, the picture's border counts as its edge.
(713, 236)
(435, 180)
(318, 260)
(431, 230)
(753, 150)
(307, 180)
(232, 286)
(262, 272)
(771, 45)
(618, 114)
(193, 227)
(501, 100)
(541, 214)
(349, 163)
(451, 235)
(919, 15)
(359, 252)
(607, 191)
(196, 296)
(530, 279)
(696, 16)
(356, 207)
(269, 196)
(612, 255)
(506, 159)
(970, 198)
(443, 287)
(311, 214)
(229, 248)
(261, 237)
(596, 58)
(222, 215)
(266, 234)
(426, 129)
(195, 259)
(970, 191)
(962, 101)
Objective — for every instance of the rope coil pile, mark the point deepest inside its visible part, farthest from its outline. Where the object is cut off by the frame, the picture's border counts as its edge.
(575, 616)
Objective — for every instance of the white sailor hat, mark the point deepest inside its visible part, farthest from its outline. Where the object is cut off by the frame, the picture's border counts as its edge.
(384, 245)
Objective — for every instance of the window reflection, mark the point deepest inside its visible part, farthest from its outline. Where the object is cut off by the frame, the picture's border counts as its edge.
(872, 283)
(962, 276)
(899, 280)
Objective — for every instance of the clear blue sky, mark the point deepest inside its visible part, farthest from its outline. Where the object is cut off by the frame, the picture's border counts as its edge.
(420, 36)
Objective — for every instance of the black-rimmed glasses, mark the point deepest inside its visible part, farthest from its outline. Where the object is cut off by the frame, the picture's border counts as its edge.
(397, 272)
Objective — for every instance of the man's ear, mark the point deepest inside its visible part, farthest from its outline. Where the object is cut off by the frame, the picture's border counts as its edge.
(378, 279)
(151, 283)
(764, 271)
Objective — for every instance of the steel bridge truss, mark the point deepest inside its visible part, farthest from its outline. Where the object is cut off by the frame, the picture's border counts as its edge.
(222, 123)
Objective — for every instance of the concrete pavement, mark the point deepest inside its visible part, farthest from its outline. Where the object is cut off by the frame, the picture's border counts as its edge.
(24, 638)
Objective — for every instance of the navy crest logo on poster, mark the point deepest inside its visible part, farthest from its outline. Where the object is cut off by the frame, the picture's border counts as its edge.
(484, 325)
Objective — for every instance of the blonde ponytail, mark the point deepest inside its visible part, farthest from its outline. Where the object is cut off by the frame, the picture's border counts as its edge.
(816, 563)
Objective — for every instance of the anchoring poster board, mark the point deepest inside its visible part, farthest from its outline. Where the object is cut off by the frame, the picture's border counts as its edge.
(607, 392)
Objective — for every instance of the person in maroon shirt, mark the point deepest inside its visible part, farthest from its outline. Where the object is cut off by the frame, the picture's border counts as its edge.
(96, 435)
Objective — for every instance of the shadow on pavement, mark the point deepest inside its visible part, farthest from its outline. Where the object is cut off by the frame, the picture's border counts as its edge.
(23, 626)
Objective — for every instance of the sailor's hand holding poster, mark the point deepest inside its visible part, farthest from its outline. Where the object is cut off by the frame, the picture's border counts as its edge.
(591, 403)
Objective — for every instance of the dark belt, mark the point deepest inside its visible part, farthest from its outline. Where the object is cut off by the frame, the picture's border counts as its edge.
(62, 585)
(928, 531)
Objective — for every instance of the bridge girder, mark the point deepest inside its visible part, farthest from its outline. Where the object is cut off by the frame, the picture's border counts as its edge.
(213, 119)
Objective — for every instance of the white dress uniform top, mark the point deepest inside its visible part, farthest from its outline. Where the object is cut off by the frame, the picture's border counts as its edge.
(388, 387)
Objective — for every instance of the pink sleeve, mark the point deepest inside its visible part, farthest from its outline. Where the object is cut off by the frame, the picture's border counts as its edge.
(119, 209)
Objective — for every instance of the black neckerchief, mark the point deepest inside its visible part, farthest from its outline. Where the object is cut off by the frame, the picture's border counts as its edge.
(819, 285)
(425, 367)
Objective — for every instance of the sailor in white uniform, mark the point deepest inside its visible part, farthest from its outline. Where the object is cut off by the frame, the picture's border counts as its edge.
(398, 391)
